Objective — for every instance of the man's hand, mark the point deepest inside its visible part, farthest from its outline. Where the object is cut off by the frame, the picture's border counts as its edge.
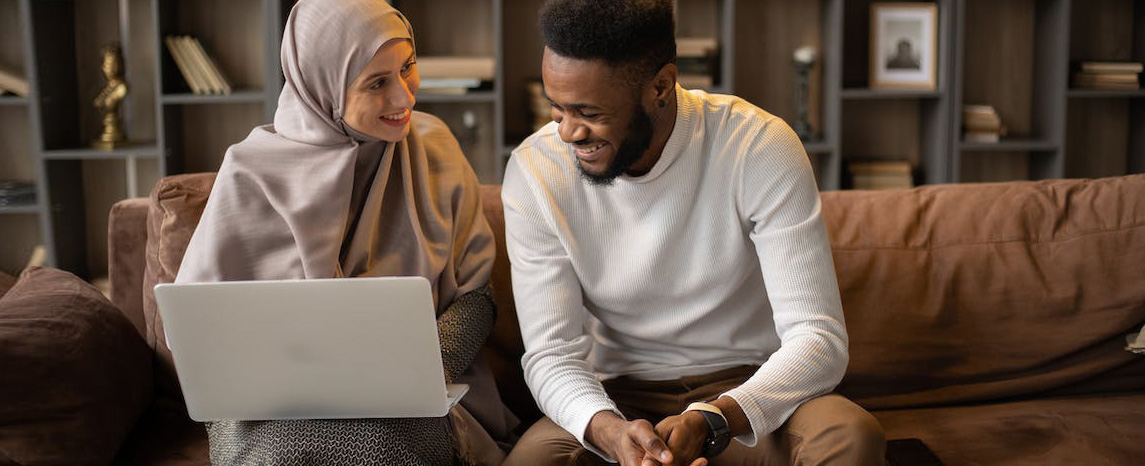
(632, 443)
(685, 434)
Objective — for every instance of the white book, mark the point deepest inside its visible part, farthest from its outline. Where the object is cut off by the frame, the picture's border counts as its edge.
(199, 64)
(175, 47)
(219, 81)
(436, 83)
(12, 82)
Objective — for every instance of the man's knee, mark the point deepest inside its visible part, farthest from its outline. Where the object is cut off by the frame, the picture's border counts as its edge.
(834, 430)
(545, 444)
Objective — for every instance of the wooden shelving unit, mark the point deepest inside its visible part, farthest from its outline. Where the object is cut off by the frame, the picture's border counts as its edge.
(1012, 54)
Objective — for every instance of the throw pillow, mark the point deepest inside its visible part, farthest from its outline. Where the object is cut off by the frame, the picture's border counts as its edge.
(74, 373)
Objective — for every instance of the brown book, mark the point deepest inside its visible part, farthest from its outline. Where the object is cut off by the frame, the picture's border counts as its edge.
(1112, 67)
(880, 167)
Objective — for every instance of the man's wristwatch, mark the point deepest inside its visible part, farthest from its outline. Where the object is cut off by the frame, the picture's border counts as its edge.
(720, 435)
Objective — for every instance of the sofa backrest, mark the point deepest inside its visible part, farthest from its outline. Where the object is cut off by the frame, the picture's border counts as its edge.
(974, 292)
(952, 293)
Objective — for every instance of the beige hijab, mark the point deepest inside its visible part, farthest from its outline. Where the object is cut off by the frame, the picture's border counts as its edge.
(281, 205)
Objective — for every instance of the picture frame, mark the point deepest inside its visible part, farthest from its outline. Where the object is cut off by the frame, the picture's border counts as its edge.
(904, 46)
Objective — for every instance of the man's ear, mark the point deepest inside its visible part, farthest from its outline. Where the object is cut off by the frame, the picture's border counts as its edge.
(665, 82)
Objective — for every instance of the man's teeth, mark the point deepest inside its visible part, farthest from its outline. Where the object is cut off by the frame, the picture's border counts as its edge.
(396, 116)
(589, 150)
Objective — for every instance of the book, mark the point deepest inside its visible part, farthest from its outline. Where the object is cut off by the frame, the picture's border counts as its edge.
(687, 47)
(981, 123)
(12, 82)
(880, 174)
(480, 68)
(198, 64)
(182, 61)
(438, 83)
(695, 81)
(1086, 80)
(218, 81)
(981, 137)
(1112, 67)
(894, 167)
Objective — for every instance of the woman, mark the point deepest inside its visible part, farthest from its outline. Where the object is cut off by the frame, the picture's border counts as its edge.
(348, 182)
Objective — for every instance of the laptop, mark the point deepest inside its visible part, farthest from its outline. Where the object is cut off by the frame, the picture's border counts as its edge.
(307, 349)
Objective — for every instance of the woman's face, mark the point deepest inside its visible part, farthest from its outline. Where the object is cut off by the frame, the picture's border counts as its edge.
(379, 101)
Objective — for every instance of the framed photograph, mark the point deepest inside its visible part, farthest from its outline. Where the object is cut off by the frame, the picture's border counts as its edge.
(904, 46)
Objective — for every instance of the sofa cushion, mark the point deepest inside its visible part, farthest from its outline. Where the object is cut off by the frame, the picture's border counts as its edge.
(176, 203)
(76, 374)
(1082, 430)
(127, 241)
(6, 282)
(974, 292)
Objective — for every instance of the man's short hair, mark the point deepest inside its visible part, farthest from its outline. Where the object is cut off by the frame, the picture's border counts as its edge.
(634, 34)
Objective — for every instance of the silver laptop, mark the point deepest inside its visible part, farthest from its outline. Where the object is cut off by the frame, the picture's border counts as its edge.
(307, 349)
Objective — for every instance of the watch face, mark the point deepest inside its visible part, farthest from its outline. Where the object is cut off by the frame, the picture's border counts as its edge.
(720, 435)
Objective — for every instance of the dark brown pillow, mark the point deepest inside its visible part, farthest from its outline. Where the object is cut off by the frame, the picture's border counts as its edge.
(74, 374)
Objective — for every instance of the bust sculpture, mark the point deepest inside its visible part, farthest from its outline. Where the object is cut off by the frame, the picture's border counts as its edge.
(109, 98)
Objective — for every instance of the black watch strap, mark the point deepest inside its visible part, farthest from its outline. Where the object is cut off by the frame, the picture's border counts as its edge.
(720, 435)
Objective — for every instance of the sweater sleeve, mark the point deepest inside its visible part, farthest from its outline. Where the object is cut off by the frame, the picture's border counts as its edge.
(779, 202)
(463, 328)
(550, 309)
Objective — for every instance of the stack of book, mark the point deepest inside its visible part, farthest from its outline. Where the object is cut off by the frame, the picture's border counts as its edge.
(16, 193)
(697, 61)
(199, 70)
(1109, 75)
(880, 174)
(539, 105)
(12, 82)
(981, 123)
(454, 75)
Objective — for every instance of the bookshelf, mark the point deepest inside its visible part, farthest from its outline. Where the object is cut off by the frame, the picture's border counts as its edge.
(1104, 129)
(19, 223)
(1012, 54)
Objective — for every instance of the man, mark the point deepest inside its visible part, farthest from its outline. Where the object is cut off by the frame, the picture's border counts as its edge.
(667, 249)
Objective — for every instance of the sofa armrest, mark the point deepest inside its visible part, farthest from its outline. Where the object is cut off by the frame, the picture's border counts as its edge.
(127, 242)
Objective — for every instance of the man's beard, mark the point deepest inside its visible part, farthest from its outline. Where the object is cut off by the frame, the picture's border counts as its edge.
(637, 141)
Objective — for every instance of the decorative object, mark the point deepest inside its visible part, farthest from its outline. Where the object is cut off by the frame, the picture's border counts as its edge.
(109, 98)
(804, 59)
(904, 46)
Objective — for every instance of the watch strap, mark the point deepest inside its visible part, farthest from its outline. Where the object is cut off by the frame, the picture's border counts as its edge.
(720, 434)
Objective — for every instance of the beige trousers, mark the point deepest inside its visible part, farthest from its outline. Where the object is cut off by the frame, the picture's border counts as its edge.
(829, 429)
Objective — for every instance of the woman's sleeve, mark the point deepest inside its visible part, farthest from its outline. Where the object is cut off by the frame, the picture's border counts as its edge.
(463, 328)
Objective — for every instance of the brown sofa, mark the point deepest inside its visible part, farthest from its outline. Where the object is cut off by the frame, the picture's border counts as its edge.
(989, 320)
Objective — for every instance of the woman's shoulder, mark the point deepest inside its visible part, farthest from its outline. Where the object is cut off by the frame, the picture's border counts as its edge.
(434, 136)
(429, 126)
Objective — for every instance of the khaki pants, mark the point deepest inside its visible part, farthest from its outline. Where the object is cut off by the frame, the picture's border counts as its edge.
(829, 429)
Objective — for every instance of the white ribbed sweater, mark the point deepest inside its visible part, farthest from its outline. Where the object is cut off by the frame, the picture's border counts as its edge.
(717, 257)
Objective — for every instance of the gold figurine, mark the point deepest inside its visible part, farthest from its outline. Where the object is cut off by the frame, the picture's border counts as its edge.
(108, 100)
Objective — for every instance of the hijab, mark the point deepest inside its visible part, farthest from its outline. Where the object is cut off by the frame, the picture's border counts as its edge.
(281, 206)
